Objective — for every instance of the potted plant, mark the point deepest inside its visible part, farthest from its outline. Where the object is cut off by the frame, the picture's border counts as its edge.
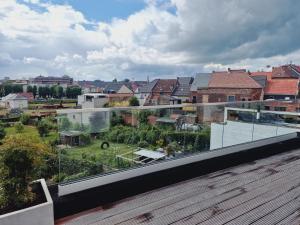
(21, 200)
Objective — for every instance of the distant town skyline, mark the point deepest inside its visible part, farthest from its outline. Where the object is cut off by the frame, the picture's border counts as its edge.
(133, 39)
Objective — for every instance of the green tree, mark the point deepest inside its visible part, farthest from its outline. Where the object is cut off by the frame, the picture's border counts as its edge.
(21, 158)
(133, 101)
(43, 127)
(29, 89)
(2, 131)
(24, 119)
(34, 91)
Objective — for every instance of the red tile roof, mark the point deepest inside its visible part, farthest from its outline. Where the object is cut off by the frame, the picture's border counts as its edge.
(232, 80)
(282, 87)
(286, 71)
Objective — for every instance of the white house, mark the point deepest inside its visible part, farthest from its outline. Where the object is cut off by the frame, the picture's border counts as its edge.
(92, 100)
(14, 101)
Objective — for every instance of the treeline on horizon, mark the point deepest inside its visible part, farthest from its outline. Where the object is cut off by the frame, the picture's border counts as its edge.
(55, 91)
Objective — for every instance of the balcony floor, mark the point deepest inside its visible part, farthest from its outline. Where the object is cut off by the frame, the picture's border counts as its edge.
(266, 191)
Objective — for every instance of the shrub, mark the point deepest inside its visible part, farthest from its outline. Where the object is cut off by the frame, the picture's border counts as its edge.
(133, 101)
(2, 131)
(172, 148)
(143, 144)
(85, 139)
(43, 127)
(21, 160)
(24, 119)
(19, 127)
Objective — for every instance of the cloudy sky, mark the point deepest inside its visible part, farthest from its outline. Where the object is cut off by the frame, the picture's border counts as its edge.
(95, 39)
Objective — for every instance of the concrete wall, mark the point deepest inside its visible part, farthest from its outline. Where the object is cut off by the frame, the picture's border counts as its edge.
(233, 133)
(41, 214)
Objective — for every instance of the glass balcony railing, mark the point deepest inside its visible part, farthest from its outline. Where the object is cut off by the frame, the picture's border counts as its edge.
(107, 140)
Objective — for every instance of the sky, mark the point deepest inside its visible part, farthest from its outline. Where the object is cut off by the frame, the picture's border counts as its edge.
(136, 39)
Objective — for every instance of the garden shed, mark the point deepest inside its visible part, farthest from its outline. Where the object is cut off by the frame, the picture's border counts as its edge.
(71, 138)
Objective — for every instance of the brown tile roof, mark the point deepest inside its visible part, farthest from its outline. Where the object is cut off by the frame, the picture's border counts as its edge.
(238, 79)
(165, 85)
(282, 87)
(286, 71)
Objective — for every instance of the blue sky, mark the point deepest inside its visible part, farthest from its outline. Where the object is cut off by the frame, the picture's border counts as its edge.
(104, 10)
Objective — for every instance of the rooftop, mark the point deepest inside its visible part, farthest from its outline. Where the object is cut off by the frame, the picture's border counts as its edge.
(282, 86)
(232, 79)
(265, 191)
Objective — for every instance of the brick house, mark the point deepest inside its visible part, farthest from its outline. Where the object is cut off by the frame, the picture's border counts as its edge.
(161, 92)
(282, 83)
(226, 86)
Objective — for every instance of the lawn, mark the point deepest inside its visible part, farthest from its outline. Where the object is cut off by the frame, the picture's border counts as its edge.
(31, 131)
(94, 152)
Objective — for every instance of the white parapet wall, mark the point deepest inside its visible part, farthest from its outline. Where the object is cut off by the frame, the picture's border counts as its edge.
(41, 214)
(233, 133)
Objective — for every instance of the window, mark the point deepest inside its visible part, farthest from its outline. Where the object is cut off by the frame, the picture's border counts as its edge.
(282, 109)
(231, 98)
(267, 107)
(194, 99)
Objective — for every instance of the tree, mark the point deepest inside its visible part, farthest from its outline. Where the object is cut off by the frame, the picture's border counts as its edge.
(2, 131)
(29, 89)
(133, 101)
(24, 119)
(43, 127)
(21, 158)
(73, 92)
(34, 91)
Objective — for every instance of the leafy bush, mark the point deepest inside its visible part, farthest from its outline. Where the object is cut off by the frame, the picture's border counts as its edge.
(143, 144)
(172, 148)
(24, 119)
(43, 128)
(133, 101)
(19, 127)
(85, 139)
(20, 163)
(2, 131)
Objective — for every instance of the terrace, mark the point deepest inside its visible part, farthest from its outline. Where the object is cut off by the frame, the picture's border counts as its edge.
(129, 148)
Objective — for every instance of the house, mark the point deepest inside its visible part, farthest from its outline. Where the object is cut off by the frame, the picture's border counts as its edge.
(92, 100)
(282, 83)
(14, 101)
(226, 86)
(181, 93)
(143, 93)
(200, 82)
(118, 88)
(161, 92)
(51, 80)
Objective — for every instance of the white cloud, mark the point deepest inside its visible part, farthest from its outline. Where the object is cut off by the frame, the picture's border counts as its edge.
(201, 35)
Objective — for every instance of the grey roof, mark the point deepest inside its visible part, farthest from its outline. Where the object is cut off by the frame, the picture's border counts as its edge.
(115, 86)
(201, 81)
(184, 85)
(262, 80)
(148, 87)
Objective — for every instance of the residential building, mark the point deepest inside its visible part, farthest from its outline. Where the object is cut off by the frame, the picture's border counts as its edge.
(282, 83)
(144, 92)
(14, 101)
(161, 92)
(226, 86)
(92, 100)
(42, 81)
(118, 88)
(181, 93)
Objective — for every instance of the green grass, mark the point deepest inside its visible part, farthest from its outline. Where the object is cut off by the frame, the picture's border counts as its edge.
(107, 157)
(31, 131)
